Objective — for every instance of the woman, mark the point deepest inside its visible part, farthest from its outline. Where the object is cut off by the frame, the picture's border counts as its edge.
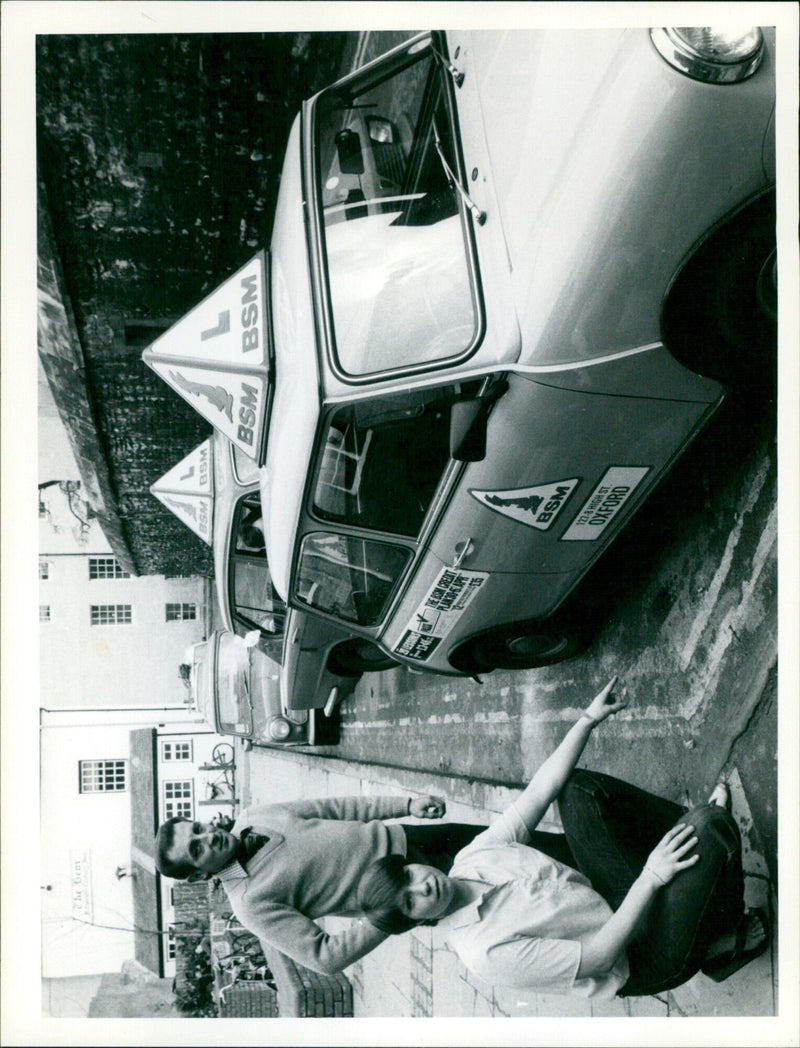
(652, 895)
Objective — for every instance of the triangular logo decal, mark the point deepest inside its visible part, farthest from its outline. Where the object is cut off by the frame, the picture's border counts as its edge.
(233, 403)
(188, 491)
(536, 506)
(193, 475)
(216, 357)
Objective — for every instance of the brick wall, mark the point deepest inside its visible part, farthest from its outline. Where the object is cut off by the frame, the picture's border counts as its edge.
(250, 1000)
(160, 157)
(306, 994)
(191, 917)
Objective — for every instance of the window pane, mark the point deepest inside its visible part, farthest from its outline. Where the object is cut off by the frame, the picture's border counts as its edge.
(250, 527)
(176, 751)
(180, 612)
(178, 799)
(383, 459)
(110, 614)
(106, 776)
(398, 271)
(106, 568)
(256, 603)
(349, 577)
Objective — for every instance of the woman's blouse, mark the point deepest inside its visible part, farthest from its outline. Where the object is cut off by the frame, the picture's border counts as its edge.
(527, 927)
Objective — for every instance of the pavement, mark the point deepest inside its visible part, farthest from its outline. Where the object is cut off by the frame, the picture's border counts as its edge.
(416, 975)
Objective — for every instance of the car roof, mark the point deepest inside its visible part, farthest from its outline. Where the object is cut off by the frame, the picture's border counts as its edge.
(296, 403)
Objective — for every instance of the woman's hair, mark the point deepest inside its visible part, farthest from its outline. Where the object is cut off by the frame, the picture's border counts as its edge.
(378, 892)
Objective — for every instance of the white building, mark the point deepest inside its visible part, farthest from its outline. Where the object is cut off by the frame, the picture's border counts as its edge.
(110, 650)
(108, 788)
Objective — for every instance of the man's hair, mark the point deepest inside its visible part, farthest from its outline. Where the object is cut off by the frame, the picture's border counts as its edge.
(165, 838)
(378, 891)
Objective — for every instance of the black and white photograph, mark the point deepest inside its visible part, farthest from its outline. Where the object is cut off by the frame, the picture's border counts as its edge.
(400, 408)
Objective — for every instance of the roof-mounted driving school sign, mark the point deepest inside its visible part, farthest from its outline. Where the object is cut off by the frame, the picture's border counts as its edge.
(188, 490)
(217, 357)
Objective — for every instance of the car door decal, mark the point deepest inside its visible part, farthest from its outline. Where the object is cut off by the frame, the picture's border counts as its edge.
(443, 605)
(537, 506)
(604, 503)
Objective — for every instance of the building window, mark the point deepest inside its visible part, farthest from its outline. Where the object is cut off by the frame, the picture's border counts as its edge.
(178, 612)
(102, 776)
(111, 614)
(44, 613)
(171, 942)
(44, 569)
(178, 799)
(176, 751)
(106, 568)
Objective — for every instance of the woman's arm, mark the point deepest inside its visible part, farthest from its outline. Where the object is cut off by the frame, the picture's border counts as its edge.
(600, 953)
(549, 780)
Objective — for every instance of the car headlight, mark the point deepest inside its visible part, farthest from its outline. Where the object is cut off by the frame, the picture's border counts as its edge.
(279, 729)
(711, 54)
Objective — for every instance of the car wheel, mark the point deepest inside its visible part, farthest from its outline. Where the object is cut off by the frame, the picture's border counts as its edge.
(519, 646)
(720, 319)
(359, 656)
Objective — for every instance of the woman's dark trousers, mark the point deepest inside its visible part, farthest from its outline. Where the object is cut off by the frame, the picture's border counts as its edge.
(439, 844)
(611, 828)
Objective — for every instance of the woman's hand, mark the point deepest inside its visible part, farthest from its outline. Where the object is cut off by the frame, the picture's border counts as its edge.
(667, 858)
(606, 702)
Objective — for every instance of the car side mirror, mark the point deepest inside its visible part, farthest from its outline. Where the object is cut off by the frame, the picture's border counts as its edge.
(468, 420)
(348, 152)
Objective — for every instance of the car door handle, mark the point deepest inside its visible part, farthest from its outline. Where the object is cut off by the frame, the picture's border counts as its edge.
(462, 550)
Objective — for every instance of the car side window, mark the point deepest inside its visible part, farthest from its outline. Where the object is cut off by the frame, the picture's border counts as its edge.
(250, 527)
(349, 577)
(256, 602)
(381, 460)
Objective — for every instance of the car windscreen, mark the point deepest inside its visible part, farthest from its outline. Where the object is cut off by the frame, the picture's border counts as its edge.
(349, 577)
(382, 459)
(399, 275)
(233, 685)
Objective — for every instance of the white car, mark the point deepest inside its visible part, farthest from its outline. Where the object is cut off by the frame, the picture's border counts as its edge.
(235, 686)
(235, 674)
(510, 275)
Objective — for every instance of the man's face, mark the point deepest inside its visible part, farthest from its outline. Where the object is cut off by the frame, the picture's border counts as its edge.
(202, 845)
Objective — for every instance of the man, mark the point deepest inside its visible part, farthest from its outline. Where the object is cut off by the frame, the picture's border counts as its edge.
(285, 865)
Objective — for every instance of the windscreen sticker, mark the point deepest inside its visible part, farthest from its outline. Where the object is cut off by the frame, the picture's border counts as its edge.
(605, 502)
(438, 613)
(537, 507)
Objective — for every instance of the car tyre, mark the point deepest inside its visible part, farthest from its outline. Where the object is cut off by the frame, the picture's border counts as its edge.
(359, 656)
(519, 646)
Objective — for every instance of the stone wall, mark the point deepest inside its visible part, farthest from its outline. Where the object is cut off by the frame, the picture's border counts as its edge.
(160, 157)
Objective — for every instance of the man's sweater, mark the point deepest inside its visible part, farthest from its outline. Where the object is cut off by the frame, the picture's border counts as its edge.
(311, 866)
